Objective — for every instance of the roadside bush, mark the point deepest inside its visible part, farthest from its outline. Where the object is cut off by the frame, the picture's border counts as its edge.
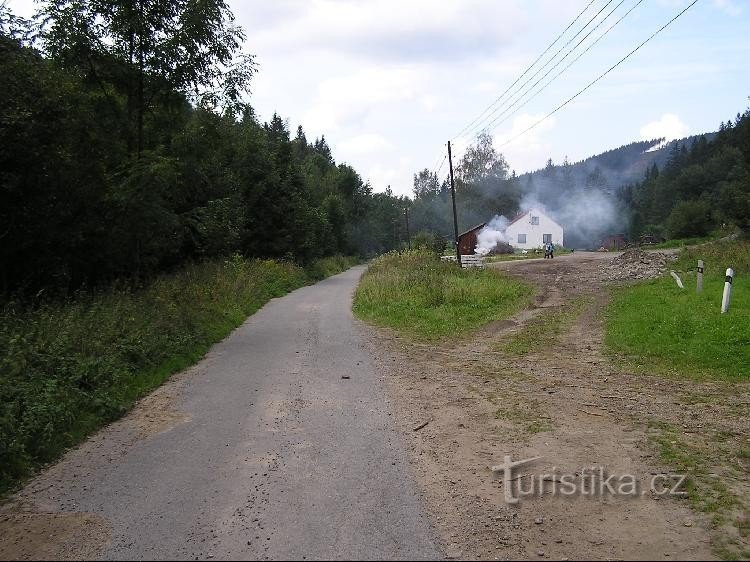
(689, 218)
(429, 241)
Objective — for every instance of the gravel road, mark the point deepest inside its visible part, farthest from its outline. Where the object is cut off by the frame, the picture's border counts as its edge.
(263, 450)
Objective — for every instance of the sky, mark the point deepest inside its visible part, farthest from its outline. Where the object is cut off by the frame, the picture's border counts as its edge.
(389, 82)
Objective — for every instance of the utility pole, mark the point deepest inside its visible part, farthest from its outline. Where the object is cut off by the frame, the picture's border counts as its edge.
(453, 197)
(408, 236)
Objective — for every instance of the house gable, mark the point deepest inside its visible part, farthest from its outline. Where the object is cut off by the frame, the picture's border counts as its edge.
(527, 231)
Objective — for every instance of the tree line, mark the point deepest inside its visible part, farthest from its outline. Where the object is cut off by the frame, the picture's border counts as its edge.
(485, 186)
(691, 189)
(127, 148)
(701, 188)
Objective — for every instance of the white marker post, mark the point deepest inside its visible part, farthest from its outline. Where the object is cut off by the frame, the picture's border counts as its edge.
(699, 289)
(727, 291)
(678, 280)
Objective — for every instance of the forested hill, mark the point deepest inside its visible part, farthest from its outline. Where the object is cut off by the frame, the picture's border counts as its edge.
(621, 166)
(705, 182)
(126, 151)
(703, 186)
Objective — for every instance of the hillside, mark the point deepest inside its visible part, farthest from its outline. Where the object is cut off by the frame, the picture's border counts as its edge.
(589, 198)
(620, 166)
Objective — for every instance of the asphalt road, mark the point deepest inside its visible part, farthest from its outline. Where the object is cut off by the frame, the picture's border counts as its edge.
(269, 453)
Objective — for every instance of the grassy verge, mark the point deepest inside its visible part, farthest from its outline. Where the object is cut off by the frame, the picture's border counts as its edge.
(544, 330)
(679, 243)
(68, 368)
(659, 328)
(417, 294)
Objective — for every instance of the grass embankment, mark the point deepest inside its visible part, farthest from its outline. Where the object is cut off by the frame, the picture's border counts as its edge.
(660, 328)
(68, 368)
(679, 243)
(427, 299)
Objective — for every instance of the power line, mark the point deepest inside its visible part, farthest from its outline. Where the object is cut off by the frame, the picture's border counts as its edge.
(546, 64)
(618, 63)
(494, 124)
(527, 69)
(441, 165)
(440, 154)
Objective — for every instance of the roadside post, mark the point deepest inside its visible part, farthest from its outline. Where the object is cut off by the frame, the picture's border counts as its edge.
(453, 198)
(699, 287)
(727, 291)
(677, 280)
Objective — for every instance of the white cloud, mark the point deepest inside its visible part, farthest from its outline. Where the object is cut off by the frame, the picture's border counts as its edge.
(729, 7)
(369, 143)
(668, 126)
(381, 176)
(348, 99)
(429, 102)
(413, 30)
(530, 150)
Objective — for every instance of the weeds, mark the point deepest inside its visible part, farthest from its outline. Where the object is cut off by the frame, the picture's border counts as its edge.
(428, 299)
(68, 368)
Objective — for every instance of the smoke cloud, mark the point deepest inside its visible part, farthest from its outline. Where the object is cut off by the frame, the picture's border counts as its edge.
(491, 235)
(585, 215)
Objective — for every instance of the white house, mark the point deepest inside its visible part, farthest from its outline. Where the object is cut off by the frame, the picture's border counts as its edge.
(533, 229)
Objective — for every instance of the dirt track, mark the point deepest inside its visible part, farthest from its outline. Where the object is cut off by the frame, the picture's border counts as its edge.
(566, 403)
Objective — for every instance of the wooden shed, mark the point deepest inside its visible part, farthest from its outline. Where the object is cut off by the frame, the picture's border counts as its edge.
(467, 241)
(614, 242)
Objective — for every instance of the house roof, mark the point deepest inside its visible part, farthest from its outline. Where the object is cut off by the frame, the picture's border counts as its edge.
(519, 216)
(477, 227)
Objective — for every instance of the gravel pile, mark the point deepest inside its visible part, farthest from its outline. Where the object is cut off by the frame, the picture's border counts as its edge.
(634, 264)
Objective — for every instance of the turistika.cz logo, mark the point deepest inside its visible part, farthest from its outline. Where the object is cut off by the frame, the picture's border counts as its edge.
(593, 482)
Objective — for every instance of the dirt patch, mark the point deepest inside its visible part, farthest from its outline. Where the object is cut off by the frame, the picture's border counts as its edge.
(52, 536)
(569, 404)
(157, 412)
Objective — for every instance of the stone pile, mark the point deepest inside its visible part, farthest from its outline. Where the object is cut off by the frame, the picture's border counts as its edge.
(635, 264)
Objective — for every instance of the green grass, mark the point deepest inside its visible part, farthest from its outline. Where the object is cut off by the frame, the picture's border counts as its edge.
(679, 243)
(427, 299)
(68, 368)
(544, 330)
(658, 328)
(717, 257)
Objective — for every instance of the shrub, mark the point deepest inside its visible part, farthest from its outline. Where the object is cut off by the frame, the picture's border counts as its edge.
(689, 218)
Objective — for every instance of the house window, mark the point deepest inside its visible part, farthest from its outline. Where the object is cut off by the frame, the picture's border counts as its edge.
(534, 220)
(522, 239)
(546, 238)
